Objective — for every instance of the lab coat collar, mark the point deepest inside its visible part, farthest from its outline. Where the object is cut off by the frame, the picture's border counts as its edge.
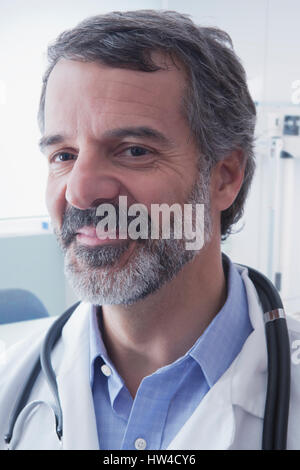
(212, 426)
(252, 363)
(79, 425)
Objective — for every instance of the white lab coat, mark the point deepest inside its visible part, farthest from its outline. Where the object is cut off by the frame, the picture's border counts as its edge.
(230, 416)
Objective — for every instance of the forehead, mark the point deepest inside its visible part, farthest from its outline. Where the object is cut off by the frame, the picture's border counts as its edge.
(77, 90)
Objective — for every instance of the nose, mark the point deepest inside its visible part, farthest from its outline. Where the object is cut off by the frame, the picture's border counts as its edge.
(90, 182)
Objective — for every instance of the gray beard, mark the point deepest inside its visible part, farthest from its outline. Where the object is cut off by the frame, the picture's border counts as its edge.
(95, 277)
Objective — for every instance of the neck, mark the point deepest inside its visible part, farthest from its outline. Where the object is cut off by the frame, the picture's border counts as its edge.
(161, 328)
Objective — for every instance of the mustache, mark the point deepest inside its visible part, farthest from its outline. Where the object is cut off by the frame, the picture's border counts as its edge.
(74, 219)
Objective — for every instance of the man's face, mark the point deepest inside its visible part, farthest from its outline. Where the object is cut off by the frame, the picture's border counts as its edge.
(115, 132)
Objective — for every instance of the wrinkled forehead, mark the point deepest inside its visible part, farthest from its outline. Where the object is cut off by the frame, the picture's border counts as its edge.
(93, 86)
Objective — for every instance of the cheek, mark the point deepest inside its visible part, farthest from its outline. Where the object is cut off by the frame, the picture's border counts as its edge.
(56, 201)
(159, 188)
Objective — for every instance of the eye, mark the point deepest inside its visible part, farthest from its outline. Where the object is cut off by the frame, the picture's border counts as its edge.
(136, 151)
(63, 157)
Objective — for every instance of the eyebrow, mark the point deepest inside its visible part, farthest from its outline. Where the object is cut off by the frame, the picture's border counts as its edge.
(140, 131)
(121, 133)
(48, 140)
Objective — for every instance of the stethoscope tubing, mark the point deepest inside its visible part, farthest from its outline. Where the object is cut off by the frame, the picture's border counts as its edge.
(279, 364)
(42, 363)
(48, 345)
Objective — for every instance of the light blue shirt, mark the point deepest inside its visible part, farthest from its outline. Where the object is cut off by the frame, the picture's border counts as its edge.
(167, 398)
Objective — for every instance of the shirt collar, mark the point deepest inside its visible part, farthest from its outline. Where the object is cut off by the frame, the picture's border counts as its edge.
(98, 353)
(224, 337)
(97, 346)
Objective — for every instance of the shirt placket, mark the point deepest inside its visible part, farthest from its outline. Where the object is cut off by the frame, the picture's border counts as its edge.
(147, 419)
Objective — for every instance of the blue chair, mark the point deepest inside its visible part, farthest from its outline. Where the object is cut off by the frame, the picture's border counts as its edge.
(20, 305)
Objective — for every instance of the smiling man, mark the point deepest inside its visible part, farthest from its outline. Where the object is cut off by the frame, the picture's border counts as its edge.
(125, 135)
(149, 107)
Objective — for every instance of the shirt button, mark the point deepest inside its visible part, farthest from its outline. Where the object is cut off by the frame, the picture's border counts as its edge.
(106, 370)
(140, 444)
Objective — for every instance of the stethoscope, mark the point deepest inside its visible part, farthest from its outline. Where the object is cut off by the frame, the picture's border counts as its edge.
(278, 387)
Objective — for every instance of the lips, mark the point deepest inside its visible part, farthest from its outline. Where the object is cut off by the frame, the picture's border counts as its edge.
(88, 232)
(89, 236)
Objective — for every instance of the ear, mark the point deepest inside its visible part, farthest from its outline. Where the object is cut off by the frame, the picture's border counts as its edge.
(226, 180)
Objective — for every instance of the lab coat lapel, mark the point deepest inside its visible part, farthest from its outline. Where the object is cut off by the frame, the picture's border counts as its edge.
(211, 427)
(79, 423)
(213, 424)
(251, 374)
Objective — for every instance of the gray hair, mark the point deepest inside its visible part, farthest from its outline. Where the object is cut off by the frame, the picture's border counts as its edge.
(217, 103)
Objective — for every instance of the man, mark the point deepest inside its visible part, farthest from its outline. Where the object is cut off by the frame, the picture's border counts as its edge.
(167, 348)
